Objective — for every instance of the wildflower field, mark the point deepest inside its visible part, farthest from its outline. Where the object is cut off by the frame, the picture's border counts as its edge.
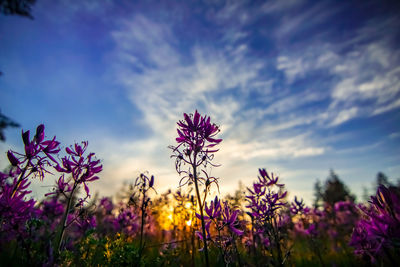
(259, 225)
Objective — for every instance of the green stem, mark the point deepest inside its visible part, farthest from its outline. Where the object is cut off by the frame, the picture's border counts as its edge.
(65, 217)
(21, 177)
(220, 243)
(277, 242)
(237, 251)
(143, 209)
(203, 226)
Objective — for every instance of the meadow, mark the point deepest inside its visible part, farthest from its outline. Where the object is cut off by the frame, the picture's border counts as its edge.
(258, 225)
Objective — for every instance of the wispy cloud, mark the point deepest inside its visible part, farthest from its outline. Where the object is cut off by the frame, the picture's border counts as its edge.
(163, 83)
(366, 73)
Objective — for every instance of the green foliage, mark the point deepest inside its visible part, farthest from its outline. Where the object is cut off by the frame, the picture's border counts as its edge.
(94, 251)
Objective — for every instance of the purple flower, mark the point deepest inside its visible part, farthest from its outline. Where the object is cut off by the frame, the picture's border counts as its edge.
(37, 153)
(107, 204)
(15, 210)
(83, 169)
(297, 206)
(13, 160)
(379, 230)
(126, 221)
(214, 211)
(196, 141)
(268, 180)
(196, 132)
(62, 187)
(221, 216)
(230, 219)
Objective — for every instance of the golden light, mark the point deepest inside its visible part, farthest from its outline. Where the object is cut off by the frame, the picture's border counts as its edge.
(189, 223)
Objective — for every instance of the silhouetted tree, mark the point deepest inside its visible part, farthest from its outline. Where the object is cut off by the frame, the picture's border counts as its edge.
(5, 122)
(335, 190)
(317, 194)
(17, 7)
(366, 195)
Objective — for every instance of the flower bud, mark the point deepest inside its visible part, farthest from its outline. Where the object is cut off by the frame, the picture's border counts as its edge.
(13, 160)
(25, 137)
(39, 134)
(151, 183)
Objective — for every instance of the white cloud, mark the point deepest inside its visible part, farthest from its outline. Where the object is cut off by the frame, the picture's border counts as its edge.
(369, 72)
(163, 83)
(344, 115)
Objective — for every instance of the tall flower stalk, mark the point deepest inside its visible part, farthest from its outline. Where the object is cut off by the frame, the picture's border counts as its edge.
(15, 210)
(37, 154)
(226, 223)
(83, 169)
(265, 201)
(195, 149)
(144, 184)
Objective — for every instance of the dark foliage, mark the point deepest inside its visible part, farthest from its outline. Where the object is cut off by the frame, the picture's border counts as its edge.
(335, 190)
(17, 7)
(5, 122)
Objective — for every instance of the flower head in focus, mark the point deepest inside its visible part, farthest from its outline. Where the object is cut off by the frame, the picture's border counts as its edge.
(196, 145)
(82, 168)
(38, 152)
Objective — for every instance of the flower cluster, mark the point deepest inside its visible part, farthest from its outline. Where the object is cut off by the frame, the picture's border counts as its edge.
(225, 223)
(378, 232)
(266, 198)
(196, 141)
(37, 153)
(221, 215)
(15, 209)
(264, 201)
(197, 134)
(298, 206)
(82, 169)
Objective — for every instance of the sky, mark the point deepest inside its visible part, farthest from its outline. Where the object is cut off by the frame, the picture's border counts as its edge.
(297, 87)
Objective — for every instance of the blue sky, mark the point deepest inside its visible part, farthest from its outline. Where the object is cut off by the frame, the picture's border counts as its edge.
(298, 87)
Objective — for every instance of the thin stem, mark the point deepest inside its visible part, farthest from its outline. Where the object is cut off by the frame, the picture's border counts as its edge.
(193, 246)
(21, 177)
(237, 251)
(203, 226)
(143, 209)
(65, 217)
(220, 242)
(277, 241)
(254, 242)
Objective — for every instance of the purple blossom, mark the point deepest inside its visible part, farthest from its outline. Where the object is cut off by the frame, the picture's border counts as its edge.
(221, 216)
(379, 230)
(230, 219)
(13, 160)
(15, 210)
(196, 141)
(197, 134)
(297, 206)
(107, 205)
(127, 221)
(83, 169)
(263, 201)
(37, 153)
